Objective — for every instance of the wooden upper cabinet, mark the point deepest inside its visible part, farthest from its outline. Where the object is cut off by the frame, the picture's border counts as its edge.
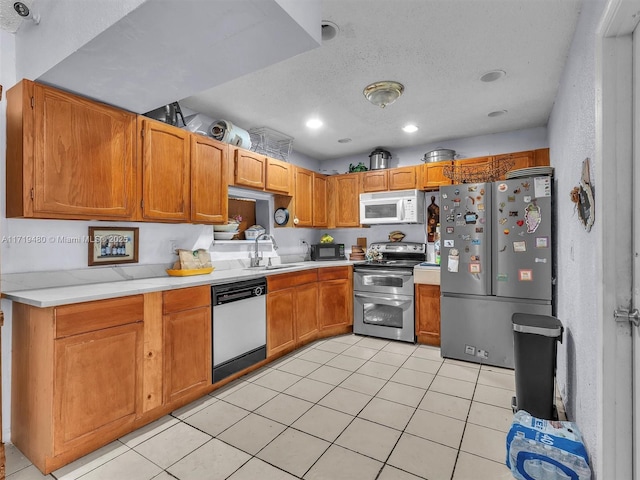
(375, 181)
(304, 198)
(520, 160)
(278, 176)
(320, 210)
(166, 173)
(344, 200)
(209, 189)
(433, 175)
(68, 157)
(249, 169)
(403, 178)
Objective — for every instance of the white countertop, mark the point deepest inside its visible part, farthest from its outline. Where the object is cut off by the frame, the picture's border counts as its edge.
(54, 296)
(426, 274)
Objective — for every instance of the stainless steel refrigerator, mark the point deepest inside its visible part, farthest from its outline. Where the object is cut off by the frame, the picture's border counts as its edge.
(496, 260)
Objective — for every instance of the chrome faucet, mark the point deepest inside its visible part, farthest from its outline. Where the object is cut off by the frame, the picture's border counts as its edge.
(255, 260)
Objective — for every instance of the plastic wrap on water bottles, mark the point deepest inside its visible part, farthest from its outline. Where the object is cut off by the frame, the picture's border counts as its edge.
(546, 450)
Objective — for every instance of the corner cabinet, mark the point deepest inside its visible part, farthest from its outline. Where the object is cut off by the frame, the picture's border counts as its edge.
(68, 157)
(428, 314)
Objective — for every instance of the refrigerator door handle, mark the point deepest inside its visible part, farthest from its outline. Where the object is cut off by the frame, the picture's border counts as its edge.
(625, 315)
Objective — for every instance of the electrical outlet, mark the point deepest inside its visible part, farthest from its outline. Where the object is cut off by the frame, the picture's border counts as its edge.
(469, 350)
(173, 245)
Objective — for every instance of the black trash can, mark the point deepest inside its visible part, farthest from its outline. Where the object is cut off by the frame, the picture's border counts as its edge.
(535, 340)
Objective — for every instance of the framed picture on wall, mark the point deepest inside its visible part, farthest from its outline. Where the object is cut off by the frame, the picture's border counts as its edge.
(113, 245)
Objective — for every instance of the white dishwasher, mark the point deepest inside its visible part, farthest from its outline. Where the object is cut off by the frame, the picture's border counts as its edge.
(239, 321)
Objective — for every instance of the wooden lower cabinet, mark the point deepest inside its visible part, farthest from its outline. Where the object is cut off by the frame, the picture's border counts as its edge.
(187, 342)
(428, 314)
(335, 300)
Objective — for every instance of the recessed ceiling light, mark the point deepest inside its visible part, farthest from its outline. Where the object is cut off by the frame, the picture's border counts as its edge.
(344, 140)
(410, 128)
(329, 30)
(497, 113)
(314, 123)
(493, 75)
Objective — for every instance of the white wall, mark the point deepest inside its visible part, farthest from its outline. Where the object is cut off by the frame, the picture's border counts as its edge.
(480, 146)
(572, 139)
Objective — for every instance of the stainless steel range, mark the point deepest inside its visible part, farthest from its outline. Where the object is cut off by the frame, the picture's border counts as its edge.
(383, 291)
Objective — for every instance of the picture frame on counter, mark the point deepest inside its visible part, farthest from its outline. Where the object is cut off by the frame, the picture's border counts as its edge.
(113, 245)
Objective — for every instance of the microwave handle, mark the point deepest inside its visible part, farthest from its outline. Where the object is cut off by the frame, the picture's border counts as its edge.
(402, 213)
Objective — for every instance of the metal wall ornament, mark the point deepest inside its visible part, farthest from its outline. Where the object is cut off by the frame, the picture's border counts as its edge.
(582, 196)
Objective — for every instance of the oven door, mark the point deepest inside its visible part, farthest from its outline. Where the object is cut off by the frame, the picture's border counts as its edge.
(395, 281)
(384, 315)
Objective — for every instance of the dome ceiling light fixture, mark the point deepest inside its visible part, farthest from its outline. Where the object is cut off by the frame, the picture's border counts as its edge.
(383, 93)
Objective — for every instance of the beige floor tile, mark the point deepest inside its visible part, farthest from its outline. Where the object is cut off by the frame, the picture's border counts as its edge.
(256, 469)
(233, 386)
(490, 416)
(323, 422)
(360, 352)
(458, 372)
(423, 365)
(317, 356)
(428, 352)
(145, 433)
(330, 375)
(216, 418)
(448, 405)
(91, 461)
(368, 438)
(163, 476)
(461, 363)
(402, 348)
(484, 442)
(388, 358)
(250, 397)
(451, 386)
(423, 458)
(491, 368)
(338, 463)
(348, 339)
(387, 413)
(14, 459)
(404, 394)
(252, 433)
(277, 380)
(499, 380)
(363, 384)
(130, 465)
(172, 444)
(293, 451)
(333, 346)
(378, 370)
(346, 363)
(284, 409)
(493, 396)
(392, 473)
(471, 467)
(298, 366)
(346, 401)
(29, 473)
(308, 389)
(214, 460)
(371, 342)
(413, 378)
(193, 407)
(437, 428)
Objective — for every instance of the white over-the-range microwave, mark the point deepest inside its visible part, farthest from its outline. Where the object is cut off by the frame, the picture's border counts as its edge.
(403, 206)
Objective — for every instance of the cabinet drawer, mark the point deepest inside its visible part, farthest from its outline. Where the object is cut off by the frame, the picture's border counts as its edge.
(186, 299)
(333, 273)
(288, 280)
(90, 316)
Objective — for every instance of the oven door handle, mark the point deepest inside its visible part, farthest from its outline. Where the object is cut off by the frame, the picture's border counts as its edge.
(402, 273)
(388, 299)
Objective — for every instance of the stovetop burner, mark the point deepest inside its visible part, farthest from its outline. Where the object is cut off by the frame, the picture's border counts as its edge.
(398, 254)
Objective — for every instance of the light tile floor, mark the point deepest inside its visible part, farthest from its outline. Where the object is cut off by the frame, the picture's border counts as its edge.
(349, 407)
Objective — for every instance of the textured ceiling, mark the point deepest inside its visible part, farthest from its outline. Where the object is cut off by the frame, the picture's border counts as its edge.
(437, 48)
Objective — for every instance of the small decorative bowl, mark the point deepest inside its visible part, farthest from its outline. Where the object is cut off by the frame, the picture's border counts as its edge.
(253, 234)
(229, 227)
(224, 235)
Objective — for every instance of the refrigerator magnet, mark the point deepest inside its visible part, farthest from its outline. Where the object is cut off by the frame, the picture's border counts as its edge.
(444, 195)
(449, 229)
(479, 229)
(473, 188)
(506, 231)
(519, 246)
(540, 260)
(482, 191)
(475, 258)
(517, 190)
(526, 186)
(475, 241)
(511, 198)
(449, 243)
(502, 277)
(474, 268)
(502, 221)
(542, 186)
(514, 213)
(525, 275)
(453, 263)
(520, 223)
(542, 242)
(481, 206)
(446, 207)
(456, 202)
(526, 198)
(502, 187)
(533, 217)
(470, 218)
(504, 248)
